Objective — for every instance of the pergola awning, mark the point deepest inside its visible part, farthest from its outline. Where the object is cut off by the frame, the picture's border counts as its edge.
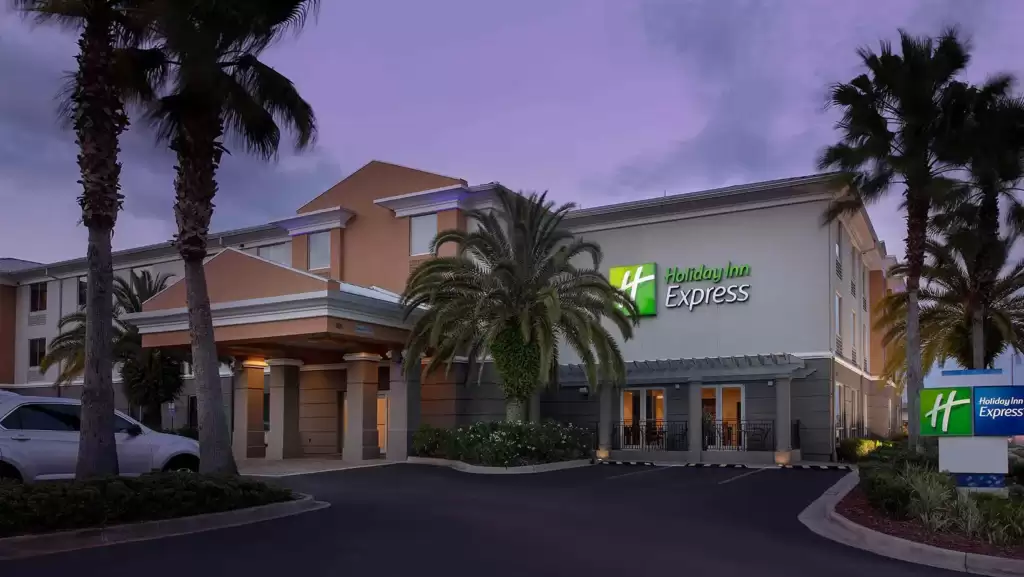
(704, 369)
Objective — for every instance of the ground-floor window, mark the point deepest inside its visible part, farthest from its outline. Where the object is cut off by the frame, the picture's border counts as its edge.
(643, 423)
(723, 421)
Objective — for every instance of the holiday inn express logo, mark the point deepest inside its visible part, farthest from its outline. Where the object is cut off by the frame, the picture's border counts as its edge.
(947, 412)
(639, 282)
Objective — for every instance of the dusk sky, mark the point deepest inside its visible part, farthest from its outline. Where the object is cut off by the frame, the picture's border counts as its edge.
(596, 101)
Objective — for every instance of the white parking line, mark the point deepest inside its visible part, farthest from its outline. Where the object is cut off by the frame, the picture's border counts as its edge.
(640, 472)
(747, 474)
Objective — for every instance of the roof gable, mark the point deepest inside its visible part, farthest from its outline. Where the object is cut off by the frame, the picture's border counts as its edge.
(376, 180)
(232, 275)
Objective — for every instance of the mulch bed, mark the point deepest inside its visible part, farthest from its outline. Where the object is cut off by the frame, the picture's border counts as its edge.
(856, 508)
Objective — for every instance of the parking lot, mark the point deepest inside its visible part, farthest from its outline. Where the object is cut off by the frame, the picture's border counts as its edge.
(419, 520)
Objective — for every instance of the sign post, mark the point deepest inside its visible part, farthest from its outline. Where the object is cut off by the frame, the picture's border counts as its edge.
(973, 413)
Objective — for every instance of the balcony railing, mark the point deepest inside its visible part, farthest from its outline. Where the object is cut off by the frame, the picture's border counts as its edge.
(739, 435)
(839, 345)
(650, 435)
(853, 288)
(839, 269)
(853, 356)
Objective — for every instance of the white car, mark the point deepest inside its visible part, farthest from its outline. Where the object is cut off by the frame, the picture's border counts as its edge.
(39, 441)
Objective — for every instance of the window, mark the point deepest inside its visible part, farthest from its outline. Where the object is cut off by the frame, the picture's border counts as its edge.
(836, 315)
(422, 230)
(37, 297)
(36, 352)
(864, 344)
(279, 253)
(43, 417)
(121, 424)
(83, 291)
(319, 251)
(839, 241)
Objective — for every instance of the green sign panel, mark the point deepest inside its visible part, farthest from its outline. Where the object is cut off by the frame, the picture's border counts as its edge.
(639, 281)
(947, 412)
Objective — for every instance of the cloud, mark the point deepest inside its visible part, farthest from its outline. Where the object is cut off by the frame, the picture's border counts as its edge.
(38, 167)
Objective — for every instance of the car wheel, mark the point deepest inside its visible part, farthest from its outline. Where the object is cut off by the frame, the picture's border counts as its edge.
(8, 474)
(182, 464)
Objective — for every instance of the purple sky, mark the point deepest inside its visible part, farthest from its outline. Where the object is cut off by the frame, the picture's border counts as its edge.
(597, 101)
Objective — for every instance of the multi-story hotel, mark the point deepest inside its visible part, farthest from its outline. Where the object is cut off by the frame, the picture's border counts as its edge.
(755, 341)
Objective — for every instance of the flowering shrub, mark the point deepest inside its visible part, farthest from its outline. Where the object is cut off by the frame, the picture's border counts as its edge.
(505, 444)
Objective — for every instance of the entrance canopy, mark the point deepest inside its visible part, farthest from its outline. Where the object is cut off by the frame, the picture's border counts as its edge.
(267, 310)
(707, 369)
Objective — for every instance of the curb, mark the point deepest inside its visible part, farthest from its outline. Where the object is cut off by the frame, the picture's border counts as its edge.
(34, 545)
(821, 518)
(483, 470)
(820, 467)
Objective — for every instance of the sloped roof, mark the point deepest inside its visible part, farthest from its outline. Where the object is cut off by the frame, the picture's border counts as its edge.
(378, 179)
(709, 369)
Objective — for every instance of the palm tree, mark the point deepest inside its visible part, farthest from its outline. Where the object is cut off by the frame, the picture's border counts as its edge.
(893, 133)
(990, 145)
(97, 113)
(515, 290)
(150, 377)
(205, 83)
(949, 301)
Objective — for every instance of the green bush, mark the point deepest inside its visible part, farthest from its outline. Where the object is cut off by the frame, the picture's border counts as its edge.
(886, 490)
(505, 444)
(900, 455)
(856, 449)
(64, 505)
(932, 496)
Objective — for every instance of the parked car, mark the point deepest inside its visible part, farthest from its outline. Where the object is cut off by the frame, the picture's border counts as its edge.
(39, 441)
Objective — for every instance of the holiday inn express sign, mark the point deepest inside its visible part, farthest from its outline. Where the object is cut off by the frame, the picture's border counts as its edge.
(639, 281)
(972, 411)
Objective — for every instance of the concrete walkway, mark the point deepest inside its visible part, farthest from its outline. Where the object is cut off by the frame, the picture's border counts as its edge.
(302, 466)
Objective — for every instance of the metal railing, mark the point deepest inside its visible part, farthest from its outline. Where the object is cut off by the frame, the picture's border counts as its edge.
(651, 435)
(839, 269)
(739, 435)
(839, 345)
(853, 288)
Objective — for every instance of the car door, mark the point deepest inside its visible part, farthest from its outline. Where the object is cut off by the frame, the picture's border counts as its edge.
(44, 436)
(134, 452)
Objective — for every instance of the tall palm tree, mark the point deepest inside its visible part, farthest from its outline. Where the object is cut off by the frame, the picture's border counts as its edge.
(990, 144)
(950, 299)
(150, 377)
(517, 288)
(97, 114)
(893, 133)
(206, 84)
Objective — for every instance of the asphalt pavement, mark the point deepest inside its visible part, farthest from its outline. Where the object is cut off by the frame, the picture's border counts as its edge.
(422, 521)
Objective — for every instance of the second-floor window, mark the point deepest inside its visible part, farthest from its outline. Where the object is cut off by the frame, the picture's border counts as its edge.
(37, 297)
(36, 352)
(280, 253)
(319, 251)
(422, 230)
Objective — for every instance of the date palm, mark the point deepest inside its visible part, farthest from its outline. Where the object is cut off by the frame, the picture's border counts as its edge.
(990, 145)
(97, 114)
(894, 131)
(518, 287)
(949, 300)
(207, 84)
(149, 376)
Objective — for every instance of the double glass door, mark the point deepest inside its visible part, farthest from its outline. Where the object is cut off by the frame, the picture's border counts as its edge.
(643, 418)
(722, 416)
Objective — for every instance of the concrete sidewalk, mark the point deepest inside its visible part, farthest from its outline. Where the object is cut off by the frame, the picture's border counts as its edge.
(302, 466)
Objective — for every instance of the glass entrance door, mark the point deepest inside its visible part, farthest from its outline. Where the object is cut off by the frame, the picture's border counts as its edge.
(723, 416)
(643, 418)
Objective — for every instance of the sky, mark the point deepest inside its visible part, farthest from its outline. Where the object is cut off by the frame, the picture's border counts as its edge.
(595, 101)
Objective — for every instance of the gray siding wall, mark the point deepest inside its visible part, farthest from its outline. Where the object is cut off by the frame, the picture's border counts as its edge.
(760, 402)
(811, 404)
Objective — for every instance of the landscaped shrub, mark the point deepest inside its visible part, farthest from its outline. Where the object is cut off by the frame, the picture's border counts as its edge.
(505, 444)
(899, 455)
(931, 496)
(855, 449)
(886, 489)
(64, 505)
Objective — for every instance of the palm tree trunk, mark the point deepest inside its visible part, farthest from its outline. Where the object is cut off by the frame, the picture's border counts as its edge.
(515, 410)
(978, 337)
(988, 230)
(215, 455)
(199, 154)
(917, 225)
(99, 119)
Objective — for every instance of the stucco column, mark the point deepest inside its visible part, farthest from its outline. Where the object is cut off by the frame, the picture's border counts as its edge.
(283, 441)
(695, 426)
(783, 416)
(403, 406)
(361, 420)
(247, 441)
(604, 423)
